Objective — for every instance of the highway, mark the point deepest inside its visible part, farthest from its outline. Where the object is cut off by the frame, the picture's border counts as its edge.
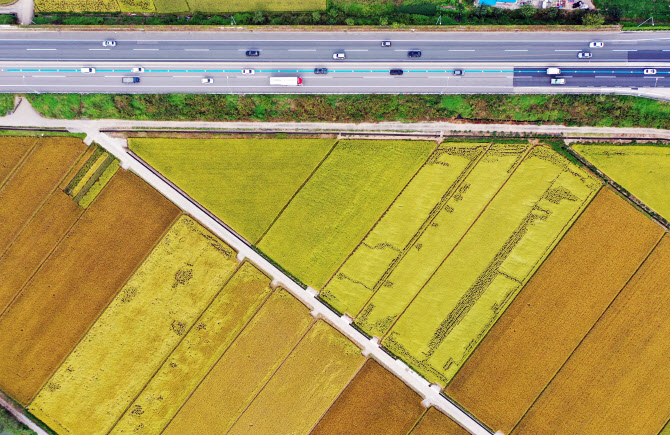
(47, 61)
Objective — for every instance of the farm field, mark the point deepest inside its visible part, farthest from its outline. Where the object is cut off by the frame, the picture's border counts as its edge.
(256, 5)
(337, 206)
(434, 422)
(130, 341)
(389, 240)
(375, 401)
(628, 350)
(315, 373)
(176, 6)
(82, 275)
(245, 368)
(170, 6)
(33, 245)
(493, 260)
(203, 345)
(32, 183)
(554, 311)
(643, 170)
(12, 150)
(244, 182)
(76, 6)
(443, 232)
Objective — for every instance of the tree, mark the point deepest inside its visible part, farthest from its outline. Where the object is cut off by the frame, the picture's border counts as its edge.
(316, 17)
(615, 13)
(383, 21)
(528, 11)
(258, 18)
(349, 21)
(593, 19)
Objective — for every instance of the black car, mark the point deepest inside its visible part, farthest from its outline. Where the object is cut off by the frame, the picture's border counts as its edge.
(253, 53)
(414, 53)
(396, 72)
(320, 70)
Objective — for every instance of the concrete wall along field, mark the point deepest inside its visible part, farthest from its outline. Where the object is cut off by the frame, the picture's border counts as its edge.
(554, 311)
(77, 281)
(490, 263)
(374, 402)
(138, 330)
(622, 364)
(196, 354)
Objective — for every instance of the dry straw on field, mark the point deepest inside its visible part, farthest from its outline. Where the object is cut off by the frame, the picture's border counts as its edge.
(138, 330)
(375, 401)
(245, 367)
(617, 380)
(78, 280)
(554, 311)
(434, 422)
(12, 150)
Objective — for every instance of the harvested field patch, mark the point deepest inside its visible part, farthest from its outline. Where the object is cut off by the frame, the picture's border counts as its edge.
(75, 284)
(434, 422)
(643, 170)
(12, 150)
(245, 367)
(339, 204)
(32, 183)
(375, 401)
(554, 311)
(245, 182)
(315, 373)
(490, 264)
(76, 6)
(138, 330)
(256, 5)
(193, 358)
(35, 243)
(622, 364)
(393, 235)
(461, 208)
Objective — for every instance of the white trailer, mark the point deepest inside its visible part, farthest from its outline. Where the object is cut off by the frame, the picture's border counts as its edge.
(286, 81)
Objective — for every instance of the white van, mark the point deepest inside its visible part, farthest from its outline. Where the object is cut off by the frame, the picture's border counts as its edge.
(553, 71)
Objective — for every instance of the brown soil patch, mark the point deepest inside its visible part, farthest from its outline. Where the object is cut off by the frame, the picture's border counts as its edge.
(35, 243)
(618, 379)
(375, 401)
(32, 183)
(554, 311)
(12, 150)
(63, 299)
(434, 422)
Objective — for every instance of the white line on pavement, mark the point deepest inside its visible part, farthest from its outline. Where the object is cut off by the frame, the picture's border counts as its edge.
(98, 49)
(146, 49)
(196, 49)
(41, 49)
(303, 49)
(516, 50)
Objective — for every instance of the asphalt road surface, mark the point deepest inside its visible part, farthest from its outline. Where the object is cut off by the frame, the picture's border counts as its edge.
(594, 77)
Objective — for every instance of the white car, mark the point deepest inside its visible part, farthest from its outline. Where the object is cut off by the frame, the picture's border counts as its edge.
(248, 71)
(207, 80)
(138, 69)
(109, 43)
(386, 43)
(650, 71)
(557, 81)
(584, 55)
(87, 70)
(597, 44)
(338, 56)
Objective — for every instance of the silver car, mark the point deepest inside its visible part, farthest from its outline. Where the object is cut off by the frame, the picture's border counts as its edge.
(109, 43)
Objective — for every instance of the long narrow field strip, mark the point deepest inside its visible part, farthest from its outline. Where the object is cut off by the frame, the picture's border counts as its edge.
(643, 170)
(96, 162)
(488, 267)
(32, 183)
(246, 366)
(444, 230)
(74, 285)
(339, 204)
(360, 276)
(375, 401)
(434, 422)
(171, 6)
(666, 429)
(554, 311)
(244, 182)
(622, 364)
(201, 348)
(130, 341)
(256, 5)
(141, 6)
(99, 184)
(12, 150)
(305, 385)
(76, 6)
(35, 243)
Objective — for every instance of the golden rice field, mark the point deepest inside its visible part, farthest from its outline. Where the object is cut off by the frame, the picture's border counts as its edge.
(150, 315)
(643, 170)
(76, 6)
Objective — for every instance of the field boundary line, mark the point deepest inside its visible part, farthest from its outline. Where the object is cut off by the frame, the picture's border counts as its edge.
(101, 311)
(8, 405)
(309, 177)
(448, 194)
(590, 329)
(374, 225)
(18, 164)
(486, 206)
(209, 304)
